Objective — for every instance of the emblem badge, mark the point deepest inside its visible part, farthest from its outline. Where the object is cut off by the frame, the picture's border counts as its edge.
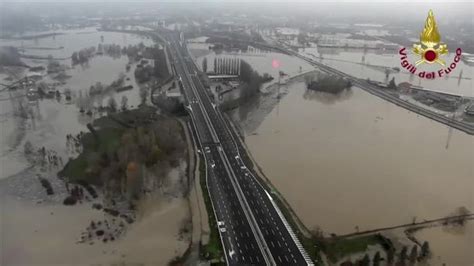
(430, 47)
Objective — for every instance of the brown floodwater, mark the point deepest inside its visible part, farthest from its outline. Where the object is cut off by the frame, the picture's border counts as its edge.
(50, 238)
(452, 246)
(361, 161)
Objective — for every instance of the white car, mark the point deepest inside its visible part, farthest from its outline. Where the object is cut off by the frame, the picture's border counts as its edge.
(243, 167)
(237, 157)
(221, 226)
(213, 164)
(207, 149)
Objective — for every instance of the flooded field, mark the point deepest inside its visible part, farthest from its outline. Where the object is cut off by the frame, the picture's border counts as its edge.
(51, 238)
(69, 41)
(51, 120)
(260, 60)
(452, 246)
(361, 151)
(358, 161)
(372, 63)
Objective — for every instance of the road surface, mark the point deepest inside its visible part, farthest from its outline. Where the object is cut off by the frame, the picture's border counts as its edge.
(253, 230)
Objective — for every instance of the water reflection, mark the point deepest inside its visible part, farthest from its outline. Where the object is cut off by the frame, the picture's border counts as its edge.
(327, 98)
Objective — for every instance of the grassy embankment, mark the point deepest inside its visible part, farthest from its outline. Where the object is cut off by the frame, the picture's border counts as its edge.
(213, 251)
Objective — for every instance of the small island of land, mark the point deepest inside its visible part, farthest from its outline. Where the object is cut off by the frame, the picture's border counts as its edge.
(328, 84)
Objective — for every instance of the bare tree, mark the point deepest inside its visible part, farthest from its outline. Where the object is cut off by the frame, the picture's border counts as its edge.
(124, 103)
(143, 95)
(112, 104)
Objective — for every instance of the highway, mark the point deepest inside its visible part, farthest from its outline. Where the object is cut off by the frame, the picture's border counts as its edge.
(256, 233)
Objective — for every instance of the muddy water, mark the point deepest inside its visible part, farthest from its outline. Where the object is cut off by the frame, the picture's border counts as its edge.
(452, 246)
(362, 64)
(50, 120)
(73, 41)
(50, 238)
(361, 161)
(357, 160)
(260, 60)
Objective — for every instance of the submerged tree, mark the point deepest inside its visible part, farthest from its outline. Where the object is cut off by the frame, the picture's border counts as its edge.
(403, 255)
(365, 261)
(204, 65)
(390, 255)
(414, 253)
(112, 104)
(392, 85)
(124, 103)
(377, 259)
(143, 95)
(425, 249)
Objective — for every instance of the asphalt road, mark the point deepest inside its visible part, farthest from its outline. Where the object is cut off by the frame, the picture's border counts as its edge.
(256, 233)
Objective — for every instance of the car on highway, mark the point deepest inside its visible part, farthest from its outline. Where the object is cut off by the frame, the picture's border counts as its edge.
(221, 226)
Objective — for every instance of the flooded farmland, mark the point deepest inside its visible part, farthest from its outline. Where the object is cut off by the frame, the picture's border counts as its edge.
(368, 148)
(39, 229)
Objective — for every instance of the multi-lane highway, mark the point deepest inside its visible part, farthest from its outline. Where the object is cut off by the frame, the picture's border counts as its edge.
(253, 230)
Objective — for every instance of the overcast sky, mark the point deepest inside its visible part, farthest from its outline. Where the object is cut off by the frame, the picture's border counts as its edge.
(444, 10)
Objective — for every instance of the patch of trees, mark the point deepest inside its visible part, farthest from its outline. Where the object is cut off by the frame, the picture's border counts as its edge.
(133, 149)
(252, 80)
(144, 73)
(222, 42)
(47, 185)
(204, 65)
(54, 66)
(170, 105)
(100, 89)
(113, 50)
(9, 56)
(229, 38)
(391, 85)
(159, 70)
(328, 83)
(134, 52)
(83, 55)
(405, 257)
(302, 39)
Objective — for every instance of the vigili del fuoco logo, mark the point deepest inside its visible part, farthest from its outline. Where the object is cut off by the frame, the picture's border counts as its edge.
(430, 51)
